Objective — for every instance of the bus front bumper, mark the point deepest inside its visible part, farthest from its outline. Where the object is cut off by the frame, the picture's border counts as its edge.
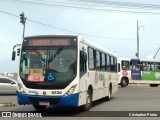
(70, 100)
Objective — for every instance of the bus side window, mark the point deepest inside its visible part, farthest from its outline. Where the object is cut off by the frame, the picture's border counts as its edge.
(158, 67)
(108, 63)
(118, 67)
(138, 66)
(91, 59)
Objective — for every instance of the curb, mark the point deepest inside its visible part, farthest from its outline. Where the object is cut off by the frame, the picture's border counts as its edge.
(6, 104)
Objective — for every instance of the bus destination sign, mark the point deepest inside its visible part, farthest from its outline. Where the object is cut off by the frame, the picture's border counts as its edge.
(48, 42)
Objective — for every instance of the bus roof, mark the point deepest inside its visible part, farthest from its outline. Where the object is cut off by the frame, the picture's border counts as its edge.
(135, 60)
(146, 60)
(129, 59)
(122, 58)
(81, 39)
(96, 46)
(49, 36)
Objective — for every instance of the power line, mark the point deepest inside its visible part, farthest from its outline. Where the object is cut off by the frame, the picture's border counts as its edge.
(150, 41)
(102, 3)
(121, 4)
(103, 37)
(9, 13)
(88, 8)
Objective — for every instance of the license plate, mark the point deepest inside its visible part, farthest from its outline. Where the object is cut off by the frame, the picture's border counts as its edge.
(43, 103)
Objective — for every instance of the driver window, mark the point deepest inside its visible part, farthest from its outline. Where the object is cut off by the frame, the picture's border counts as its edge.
(125, 65)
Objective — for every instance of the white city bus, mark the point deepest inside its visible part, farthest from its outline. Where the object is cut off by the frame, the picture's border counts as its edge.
(64, 70)
(138, 71)
(124, 72)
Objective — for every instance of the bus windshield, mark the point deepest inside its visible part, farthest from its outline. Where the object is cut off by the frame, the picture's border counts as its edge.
(48, 64)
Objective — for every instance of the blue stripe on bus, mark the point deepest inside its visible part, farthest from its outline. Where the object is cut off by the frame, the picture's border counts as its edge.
(70, 100)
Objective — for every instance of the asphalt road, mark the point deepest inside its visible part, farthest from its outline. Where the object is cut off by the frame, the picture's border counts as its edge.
(132, 98)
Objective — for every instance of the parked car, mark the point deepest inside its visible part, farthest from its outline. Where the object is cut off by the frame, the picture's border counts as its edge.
(7, 85)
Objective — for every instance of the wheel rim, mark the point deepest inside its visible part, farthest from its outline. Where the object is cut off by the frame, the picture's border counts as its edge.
(124, 82)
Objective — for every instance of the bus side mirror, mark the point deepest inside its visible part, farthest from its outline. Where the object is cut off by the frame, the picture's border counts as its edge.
(18, 52)
(14, 52)
(13, 55)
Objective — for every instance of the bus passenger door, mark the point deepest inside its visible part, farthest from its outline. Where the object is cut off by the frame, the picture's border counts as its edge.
(83, 81)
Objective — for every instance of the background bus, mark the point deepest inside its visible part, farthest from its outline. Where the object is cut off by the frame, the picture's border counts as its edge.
(138, 71)
(64, 70)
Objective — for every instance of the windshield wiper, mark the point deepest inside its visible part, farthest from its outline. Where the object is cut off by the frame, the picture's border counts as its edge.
(55, 54)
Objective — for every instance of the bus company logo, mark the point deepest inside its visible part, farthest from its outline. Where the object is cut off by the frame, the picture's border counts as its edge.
(44, 92)
(95, 78)
(124, 73)
(157, 75)
(34, 92)
(109, 77)
(101, 77)
(146, 72)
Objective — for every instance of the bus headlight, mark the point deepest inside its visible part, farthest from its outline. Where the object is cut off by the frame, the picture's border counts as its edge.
(20, 88)
(71, 90)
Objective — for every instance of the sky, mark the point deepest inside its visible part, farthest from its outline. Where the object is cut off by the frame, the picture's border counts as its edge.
(115, 31)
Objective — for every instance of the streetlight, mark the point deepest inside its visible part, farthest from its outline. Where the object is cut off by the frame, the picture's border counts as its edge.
(138, 28)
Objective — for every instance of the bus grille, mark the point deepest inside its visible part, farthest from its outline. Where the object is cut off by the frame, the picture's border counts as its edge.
(45, 86)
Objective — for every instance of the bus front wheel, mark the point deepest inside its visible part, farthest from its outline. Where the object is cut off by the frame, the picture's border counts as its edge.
(39, 107)
(88, 104)
(124, 82)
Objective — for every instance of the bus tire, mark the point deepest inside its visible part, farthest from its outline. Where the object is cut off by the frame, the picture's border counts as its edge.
(88, 104)
(153, 85)
(124, 82)
(39, 107)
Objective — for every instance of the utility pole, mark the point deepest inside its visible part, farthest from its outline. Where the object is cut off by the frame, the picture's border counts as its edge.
(137, 54)
(23, 21)
(138, 27)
